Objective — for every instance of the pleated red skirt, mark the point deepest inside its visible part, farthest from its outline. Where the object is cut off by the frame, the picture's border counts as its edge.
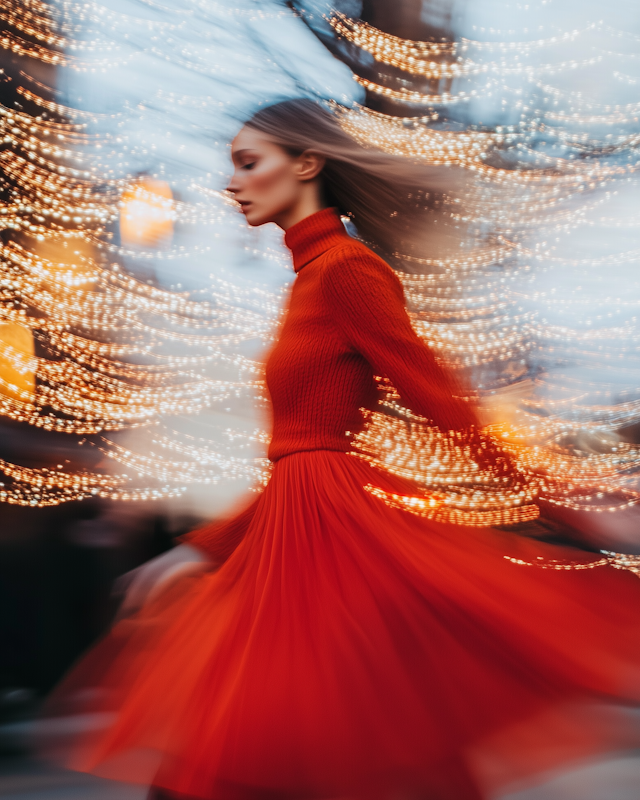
(349, 649)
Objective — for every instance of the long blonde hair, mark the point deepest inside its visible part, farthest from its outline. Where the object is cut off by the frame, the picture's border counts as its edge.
(394, 203)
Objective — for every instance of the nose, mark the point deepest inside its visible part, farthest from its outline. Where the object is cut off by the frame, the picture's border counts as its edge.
(233, 185)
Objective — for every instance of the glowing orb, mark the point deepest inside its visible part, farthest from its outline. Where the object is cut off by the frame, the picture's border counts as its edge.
(146, 215)
(17, 362)
(70, 262)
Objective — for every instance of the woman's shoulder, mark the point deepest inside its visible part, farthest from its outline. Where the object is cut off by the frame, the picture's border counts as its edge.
(352, 264)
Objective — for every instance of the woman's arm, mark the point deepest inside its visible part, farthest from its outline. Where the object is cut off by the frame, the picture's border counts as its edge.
(199, 551)
(368, 304)
(144, 583)
(367, 301)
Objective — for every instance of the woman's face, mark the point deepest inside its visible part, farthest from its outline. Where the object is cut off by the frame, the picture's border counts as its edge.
(267, 182)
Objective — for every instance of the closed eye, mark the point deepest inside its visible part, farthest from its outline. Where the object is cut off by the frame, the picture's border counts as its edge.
(248, 165)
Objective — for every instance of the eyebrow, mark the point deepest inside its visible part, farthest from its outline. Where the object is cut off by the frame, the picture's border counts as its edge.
(238, 153)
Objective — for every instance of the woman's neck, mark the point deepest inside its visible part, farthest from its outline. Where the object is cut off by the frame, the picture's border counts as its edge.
(309, 202)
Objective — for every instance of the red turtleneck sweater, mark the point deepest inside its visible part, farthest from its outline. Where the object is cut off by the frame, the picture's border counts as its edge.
(346, 322)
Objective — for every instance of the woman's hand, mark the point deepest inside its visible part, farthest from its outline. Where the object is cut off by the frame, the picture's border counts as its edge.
(146, 582)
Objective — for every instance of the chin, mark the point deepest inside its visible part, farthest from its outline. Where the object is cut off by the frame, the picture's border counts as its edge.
(255, 219)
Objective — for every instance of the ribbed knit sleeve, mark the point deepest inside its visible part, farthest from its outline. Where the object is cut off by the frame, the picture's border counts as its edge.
(367, 301)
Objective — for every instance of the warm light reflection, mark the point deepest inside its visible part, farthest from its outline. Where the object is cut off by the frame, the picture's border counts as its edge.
(146, 215)
(17, 364)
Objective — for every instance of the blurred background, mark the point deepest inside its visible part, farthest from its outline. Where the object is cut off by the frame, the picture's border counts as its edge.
(136, 307)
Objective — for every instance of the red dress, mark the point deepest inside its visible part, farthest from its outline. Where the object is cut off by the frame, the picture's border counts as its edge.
(346, 648)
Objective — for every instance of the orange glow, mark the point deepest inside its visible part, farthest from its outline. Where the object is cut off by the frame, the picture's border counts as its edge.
(17, 363)
(146, 215)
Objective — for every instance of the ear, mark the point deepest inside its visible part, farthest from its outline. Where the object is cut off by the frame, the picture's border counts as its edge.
(309, 165)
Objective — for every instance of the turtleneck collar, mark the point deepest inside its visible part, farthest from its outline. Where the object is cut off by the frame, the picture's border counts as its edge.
(313, 236)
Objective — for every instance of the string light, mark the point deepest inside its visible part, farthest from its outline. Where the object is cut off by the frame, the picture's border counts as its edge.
(411, 55)
(611, 559)
(459, 491)
(95, 322)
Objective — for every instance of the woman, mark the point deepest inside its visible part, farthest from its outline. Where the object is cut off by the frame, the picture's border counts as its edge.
(330, 645)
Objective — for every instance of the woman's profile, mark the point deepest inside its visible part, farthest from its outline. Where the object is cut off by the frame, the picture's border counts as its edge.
(321, 643)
